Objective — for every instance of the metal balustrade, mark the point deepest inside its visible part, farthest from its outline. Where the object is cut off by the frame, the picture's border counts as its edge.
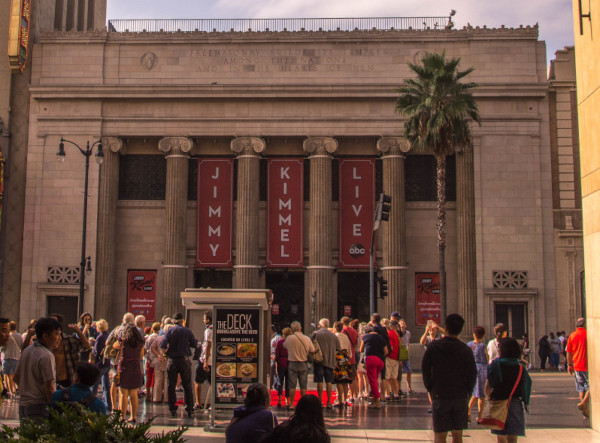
(278, 24)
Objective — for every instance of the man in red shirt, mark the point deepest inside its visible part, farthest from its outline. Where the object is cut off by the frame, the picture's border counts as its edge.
(392, 364)
(577, 363)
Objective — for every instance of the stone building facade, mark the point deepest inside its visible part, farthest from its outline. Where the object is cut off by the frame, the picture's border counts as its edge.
(166, 104)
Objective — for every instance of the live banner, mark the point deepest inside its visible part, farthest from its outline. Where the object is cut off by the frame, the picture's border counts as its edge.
(285, 209)
(356, 203)
(215, 206)
(141, 293)
(427, 293)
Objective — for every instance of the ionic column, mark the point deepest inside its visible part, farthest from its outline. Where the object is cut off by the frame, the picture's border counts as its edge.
(246, 268)
(106, 304)
(465, 239)
(319, 269)
(174, 262)
(393, 267)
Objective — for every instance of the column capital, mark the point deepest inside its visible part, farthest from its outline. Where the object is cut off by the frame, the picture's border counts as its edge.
(393, 145)
(172, 146)
(320, 145)
(248, 145)
(115, 144)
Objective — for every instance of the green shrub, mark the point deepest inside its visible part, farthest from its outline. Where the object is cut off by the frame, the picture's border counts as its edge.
(74, 426)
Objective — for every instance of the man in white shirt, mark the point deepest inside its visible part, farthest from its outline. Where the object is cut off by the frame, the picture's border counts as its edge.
(298, 346)
(493, 348)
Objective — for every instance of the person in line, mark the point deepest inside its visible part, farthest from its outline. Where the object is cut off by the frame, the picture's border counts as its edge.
(251, 422)
(352, 335)
(151, 358)
(140, 323)
(36, 372)
(90, 332)
(503, 374)
(160, 389)
(130, 376)
(4, 337)
(555, 350)
(178, 342)
(305, 425)
(275, 337)
(203, 368)
(361, 370)
(11, 353)
(449, 375)
(281, 362)
(103, 364)
(392, 362)
(86, 376)
(481, 361)
(375, 349)
(378, 327)
(329, 345)
(344, 365)
(526, 351)
(429, 336)
(493, 347)
(67, 353)
(298, 346)
(406, 369)
(577, 364)
(113, 343)
(544, 350)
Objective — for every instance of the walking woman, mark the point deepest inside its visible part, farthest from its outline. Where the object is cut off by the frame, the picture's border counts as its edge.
(503, 374)
(281, 363)
(544, 351)
(130, 373)
(375, 351)
(481, 361)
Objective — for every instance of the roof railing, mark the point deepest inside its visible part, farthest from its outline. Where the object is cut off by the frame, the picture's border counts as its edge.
(279, 24)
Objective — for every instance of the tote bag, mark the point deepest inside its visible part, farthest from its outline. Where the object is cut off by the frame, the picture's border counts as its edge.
(496, 411)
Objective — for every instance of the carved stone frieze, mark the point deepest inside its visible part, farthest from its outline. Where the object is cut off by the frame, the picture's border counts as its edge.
(320, 145)
(248, 145)
(175, 145)
(393, 145)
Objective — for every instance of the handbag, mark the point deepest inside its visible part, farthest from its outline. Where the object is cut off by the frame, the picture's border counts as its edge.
(403, 354)
(496, 411)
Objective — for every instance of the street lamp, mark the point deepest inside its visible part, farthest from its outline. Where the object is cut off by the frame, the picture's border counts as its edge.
(85, 264)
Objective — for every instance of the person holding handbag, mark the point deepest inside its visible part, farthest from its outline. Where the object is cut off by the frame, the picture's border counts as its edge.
(508, 380)
(298, 346)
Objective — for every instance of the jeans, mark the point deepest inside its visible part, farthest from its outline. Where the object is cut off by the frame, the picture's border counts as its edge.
(182, 367)
(283, 382)
(105, 380)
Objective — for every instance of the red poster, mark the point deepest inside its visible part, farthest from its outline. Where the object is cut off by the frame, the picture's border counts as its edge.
(357, 204)
(347, 310)
(275, 309)
(215, 203)
(285, 213)
(427, 293)
(141, 293)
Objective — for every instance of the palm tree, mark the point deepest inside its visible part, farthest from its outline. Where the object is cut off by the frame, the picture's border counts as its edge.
(438, 107)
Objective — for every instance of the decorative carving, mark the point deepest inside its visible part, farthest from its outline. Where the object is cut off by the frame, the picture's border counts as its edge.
(149, 60)
(248, 145)
(387, 144)
(175, 145)
(510, 279)
(320, 145)
(64, 274)
(115, 144)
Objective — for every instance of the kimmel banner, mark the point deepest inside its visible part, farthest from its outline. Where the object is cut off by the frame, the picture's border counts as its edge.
(357, 203)
(141, 293)
(427, 291)
(215, 206)
(285, 213)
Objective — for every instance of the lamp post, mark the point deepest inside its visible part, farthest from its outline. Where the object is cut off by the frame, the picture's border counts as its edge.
(87, 152)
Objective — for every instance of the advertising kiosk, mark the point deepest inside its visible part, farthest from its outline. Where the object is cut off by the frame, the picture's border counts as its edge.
(241, 340)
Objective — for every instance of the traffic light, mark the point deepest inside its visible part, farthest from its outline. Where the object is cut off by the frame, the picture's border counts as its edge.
(383, 287)
(386, 205)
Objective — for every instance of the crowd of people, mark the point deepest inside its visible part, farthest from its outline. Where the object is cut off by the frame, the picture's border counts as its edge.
(53, 362)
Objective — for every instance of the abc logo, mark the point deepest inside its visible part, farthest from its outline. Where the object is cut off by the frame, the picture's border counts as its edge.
(357, 250)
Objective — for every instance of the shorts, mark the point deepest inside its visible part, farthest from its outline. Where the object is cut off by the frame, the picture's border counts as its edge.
(202, 375)
(449, 414)
(582, 383)
(391, 368)
(9, 366)
(297, 372)
(321, 372)
(406, 367)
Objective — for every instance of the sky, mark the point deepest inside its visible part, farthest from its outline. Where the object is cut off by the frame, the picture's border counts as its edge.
(555, 17)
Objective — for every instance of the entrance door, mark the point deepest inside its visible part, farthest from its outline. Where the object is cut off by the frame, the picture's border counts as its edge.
(514, 316)
(65, 305)
(288, 297)
(213, 279)
(353, 292)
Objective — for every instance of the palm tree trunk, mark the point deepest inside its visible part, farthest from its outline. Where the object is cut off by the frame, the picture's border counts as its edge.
(441, 228)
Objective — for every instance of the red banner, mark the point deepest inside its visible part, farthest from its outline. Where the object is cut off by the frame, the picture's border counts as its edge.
(427, 294)
(357, 203)
(285, 213)
(141, 293)
(215, 203)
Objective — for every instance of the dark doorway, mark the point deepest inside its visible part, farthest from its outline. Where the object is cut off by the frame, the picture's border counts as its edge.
(65, 305)
(288, 297)
(213, 278)
(353, 291)
(514, 316)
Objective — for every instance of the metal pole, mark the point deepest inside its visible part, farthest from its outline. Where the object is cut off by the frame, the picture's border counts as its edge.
(83, 235)
(372, 304)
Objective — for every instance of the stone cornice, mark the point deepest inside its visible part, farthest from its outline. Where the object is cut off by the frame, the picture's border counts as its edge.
(248, 145)
(320, 145)
(175, 145)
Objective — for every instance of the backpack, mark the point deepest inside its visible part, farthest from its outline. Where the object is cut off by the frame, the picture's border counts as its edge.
(79, 406)
(109, 352)
(317, 356)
